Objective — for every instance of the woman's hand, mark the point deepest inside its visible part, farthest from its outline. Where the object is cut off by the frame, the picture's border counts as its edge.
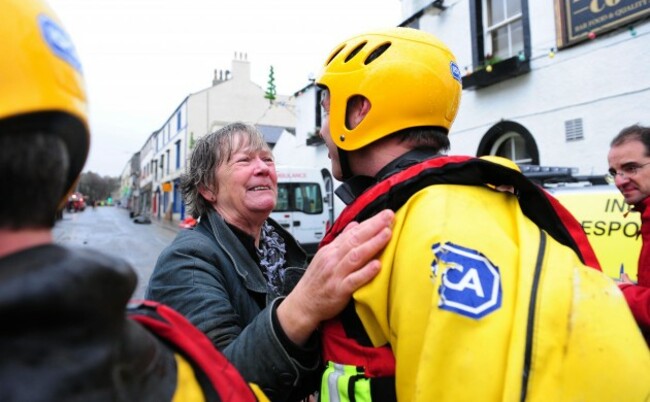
(336, 271)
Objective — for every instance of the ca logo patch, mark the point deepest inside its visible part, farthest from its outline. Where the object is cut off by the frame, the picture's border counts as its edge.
(471, 284)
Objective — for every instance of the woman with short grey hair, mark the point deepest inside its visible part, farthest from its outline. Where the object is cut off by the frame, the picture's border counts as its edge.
(244, 281)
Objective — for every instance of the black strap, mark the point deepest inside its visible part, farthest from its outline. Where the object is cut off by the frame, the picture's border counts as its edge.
(382, 389)
(477, 172)
(530, 325)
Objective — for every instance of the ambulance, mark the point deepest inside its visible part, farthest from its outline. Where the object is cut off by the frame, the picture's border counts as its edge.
(304, 206)
(613, 230)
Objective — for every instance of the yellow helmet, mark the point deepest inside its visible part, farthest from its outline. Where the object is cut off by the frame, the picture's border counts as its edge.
(41, 83)
(409, 76)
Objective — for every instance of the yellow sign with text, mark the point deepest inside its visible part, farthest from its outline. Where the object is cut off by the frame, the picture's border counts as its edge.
(613, 231)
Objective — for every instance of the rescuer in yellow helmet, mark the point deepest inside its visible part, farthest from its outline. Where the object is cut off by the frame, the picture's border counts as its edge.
(65, 335)
(489, 289)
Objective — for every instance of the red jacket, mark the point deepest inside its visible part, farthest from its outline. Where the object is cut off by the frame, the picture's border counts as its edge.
(638, 296)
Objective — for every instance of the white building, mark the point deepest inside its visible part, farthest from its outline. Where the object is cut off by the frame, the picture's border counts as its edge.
(168, 162)
(146, 176)
(564, 76)
(232, 97)
(545, 82)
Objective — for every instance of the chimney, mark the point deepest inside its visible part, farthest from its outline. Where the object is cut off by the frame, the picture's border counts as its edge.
(241, 68)
(220, 76)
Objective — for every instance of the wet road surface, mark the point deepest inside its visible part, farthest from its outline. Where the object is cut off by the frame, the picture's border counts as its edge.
(112, 231)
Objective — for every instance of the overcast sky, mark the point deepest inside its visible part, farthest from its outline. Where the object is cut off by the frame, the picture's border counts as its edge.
(141, 58)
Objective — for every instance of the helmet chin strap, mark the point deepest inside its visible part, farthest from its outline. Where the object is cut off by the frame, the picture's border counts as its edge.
(344, 161)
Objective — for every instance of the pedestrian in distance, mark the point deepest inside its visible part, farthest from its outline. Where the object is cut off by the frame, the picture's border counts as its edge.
(66, 333)
(244, 280)
(489, 289)
(628, 158)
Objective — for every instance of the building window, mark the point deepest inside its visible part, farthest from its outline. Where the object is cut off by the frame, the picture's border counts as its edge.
(500, 42)
(167, 170)
(511, 146)
(510, 140)
(178, 121)
(178, 154)
(502, 28)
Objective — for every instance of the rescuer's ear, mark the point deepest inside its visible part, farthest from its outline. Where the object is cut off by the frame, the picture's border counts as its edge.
(357, 109)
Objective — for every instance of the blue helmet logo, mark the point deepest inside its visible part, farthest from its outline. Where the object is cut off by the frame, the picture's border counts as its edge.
(471, 284)
(455, 72)
(58, 41)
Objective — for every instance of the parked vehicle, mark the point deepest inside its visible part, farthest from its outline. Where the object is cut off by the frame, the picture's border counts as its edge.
(599, 206)
(612, 231)
(76, 203)
(302, 206)
(188, 223)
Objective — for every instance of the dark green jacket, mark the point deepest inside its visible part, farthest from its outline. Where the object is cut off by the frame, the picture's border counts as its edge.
(207, 275)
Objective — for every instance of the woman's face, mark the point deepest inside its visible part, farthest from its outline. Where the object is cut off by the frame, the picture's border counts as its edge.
(247, 186)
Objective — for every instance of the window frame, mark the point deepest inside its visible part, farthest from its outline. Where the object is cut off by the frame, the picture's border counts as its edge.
(478, 22)
(503, 131)
(290, 202)
(507, 22)
(509, 140)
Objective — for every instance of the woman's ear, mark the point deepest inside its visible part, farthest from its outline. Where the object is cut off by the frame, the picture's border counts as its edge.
(207, 193)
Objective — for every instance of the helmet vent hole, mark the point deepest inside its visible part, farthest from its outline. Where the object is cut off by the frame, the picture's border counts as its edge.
(355, 51)
(334, 54)
(376, 53)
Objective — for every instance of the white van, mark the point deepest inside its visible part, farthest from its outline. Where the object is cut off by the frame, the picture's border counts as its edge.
(303, 206)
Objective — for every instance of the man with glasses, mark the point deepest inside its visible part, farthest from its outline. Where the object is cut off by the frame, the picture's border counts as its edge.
(628, 158)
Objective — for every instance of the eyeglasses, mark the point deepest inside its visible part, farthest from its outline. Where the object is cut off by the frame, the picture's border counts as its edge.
(626, 171)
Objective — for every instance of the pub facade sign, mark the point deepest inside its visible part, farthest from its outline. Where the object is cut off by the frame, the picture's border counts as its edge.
(579, 20)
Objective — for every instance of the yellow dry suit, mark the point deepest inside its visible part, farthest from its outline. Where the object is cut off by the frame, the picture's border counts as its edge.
(483, 295)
